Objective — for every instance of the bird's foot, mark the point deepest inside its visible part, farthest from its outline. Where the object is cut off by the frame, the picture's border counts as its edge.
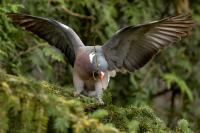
(100, 102)
(76, 94)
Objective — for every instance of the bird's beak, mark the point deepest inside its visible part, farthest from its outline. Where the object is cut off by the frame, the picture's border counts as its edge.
(101, 75)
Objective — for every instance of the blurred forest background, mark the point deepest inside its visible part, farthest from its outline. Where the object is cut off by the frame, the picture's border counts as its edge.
(36, 79)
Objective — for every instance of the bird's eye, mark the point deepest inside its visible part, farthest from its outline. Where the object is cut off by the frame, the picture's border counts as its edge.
(95, 74)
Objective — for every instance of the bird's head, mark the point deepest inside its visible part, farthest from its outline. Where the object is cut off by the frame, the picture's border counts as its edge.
(99, 65)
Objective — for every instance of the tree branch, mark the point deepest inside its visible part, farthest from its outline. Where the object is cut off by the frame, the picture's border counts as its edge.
(28, 50)
(161, 93)
(92, 106)
(77, 14)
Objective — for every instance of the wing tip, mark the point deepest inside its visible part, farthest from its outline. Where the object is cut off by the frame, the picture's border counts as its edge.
(182, 17)
(12, 14)
(15, 17)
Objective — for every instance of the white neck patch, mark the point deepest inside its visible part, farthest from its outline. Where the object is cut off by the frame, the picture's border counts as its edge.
(91, 56)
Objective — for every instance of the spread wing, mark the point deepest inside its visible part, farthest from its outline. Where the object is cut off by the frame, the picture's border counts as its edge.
(132, 47)
(54, 32)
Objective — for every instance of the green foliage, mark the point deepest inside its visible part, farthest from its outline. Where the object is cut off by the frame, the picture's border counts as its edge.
(99, 114)
(172, 78)
(54, 54)
(183, 126)
(30, 106)
(143, 117)
(133, 126)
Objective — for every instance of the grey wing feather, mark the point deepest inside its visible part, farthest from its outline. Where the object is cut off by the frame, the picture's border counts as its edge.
(54, 32)
(132, 47)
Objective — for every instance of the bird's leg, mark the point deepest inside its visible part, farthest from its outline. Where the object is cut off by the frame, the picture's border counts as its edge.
(99, 92)
(78, 84)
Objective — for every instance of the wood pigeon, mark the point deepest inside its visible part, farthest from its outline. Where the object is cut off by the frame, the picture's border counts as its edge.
(128, 49)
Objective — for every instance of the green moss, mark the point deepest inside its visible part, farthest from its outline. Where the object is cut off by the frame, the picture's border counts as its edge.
(32, 106)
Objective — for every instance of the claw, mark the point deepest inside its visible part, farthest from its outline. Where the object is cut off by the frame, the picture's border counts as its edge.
(76, 94)
(100, 102)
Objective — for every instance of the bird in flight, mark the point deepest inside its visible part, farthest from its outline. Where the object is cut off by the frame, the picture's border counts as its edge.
(128, 49)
